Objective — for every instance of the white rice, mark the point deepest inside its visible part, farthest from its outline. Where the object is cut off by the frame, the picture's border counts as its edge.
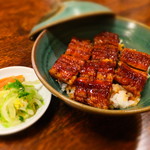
(62, 85)
(121, 98)
(70, 90)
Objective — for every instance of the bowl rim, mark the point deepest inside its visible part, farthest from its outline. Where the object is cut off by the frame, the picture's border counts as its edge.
(74, 103)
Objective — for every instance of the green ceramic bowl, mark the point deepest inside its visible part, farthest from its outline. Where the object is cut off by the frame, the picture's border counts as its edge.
(51, 43)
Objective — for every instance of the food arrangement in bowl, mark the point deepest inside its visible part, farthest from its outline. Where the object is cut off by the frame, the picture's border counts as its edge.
(97, 63)
(102, 73)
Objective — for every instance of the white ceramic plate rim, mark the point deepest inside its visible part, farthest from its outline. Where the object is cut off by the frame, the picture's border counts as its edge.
(29, 75)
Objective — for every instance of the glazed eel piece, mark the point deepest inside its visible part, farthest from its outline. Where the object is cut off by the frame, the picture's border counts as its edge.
(136, 59)
(67, 67)
(133, 80)
(106, 46)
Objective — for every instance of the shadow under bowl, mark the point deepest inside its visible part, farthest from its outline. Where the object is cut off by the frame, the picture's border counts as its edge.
(51, 43)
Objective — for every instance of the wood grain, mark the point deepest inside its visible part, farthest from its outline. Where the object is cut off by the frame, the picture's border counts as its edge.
(63, 127)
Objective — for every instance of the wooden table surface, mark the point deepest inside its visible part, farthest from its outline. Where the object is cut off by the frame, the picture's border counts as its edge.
(63, 127)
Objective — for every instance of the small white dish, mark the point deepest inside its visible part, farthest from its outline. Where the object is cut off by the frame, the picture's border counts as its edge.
(29, 75)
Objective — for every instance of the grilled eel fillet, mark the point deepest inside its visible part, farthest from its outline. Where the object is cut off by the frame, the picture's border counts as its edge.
(131, 79)
(66, 68)
(138, 60)
(105, 46)
(79, 48)
(106, 38)
(69, 64)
